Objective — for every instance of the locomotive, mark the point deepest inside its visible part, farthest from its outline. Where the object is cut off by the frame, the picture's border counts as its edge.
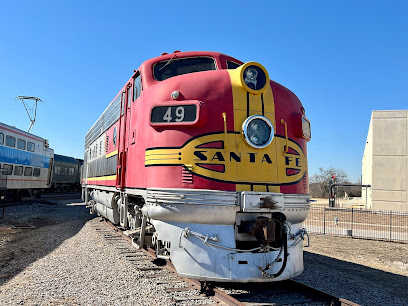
(203, 157)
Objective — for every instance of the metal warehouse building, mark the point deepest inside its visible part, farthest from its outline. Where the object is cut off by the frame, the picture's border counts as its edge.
(385, 165)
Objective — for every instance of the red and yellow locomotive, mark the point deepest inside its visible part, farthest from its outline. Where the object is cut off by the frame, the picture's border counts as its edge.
(204, 158)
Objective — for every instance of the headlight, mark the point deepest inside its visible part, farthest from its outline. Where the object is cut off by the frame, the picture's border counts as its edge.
(254, 78)
(258, 131)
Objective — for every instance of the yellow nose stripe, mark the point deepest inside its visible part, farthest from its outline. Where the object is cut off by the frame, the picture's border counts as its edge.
(246, 104)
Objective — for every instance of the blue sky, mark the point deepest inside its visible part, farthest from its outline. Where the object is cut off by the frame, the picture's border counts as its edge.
(343, 59)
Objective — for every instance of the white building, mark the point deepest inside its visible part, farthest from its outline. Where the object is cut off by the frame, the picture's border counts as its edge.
(385, 165)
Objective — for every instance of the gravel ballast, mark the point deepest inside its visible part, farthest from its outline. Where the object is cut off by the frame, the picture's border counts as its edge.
(65, 260)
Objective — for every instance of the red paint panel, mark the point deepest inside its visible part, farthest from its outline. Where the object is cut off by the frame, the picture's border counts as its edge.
(213, 90)
(289, 108)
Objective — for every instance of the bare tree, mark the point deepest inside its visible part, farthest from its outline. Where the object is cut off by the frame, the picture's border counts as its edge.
(319, 184)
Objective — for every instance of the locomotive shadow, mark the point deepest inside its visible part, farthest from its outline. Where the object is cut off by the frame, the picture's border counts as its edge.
(346, 278)
(30, 231)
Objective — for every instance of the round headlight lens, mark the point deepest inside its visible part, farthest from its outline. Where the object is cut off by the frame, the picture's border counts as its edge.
(254, 77)
(258, 131)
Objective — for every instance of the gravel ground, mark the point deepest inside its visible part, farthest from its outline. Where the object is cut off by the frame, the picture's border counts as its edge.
(367, 272)
(66, 260)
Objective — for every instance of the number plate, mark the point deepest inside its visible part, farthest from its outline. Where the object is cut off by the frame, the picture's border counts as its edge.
(174, 114)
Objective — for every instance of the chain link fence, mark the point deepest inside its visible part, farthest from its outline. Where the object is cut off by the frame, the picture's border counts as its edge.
(359, 223)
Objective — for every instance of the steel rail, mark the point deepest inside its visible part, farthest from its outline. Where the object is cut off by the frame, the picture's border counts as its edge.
(335, 301)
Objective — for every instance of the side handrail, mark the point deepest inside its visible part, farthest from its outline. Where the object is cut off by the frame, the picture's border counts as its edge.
(286, 137)
(224, 115)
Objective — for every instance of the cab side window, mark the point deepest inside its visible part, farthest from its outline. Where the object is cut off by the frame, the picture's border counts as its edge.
(232, 65)
(1, 138)
(137, 87)
(129, 96)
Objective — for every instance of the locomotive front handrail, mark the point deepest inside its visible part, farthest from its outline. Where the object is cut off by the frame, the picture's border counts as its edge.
(301, 234)
(187, 232)
(224, 115)
(286, 137)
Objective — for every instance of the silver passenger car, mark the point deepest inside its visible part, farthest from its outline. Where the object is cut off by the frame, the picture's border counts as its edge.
(26, 161)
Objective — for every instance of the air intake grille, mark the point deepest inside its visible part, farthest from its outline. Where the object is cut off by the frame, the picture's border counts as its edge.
(187, 175)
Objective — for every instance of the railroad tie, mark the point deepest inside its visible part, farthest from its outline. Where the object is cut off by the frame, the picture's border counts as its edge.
(190, 297)
(169, 290)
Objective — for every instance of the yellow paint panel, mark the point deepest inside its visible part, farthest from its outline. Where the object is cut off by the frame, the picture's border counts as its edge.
(258, 165)
(112, 154)
(239, 164)
(102, 178)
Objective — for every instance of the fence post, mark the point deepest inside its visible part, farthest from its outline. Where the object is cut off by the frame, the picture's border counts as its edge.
(390, 225)
(324, 221)
(352, 220)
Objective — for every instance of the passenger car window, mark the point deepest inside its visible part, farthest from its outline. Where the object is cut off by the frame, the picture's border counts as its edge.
(232, 65)
(174, 67)
(36, 172)
(7, 169)
(1, 138)
(21, 144)
(30, 147)
(18, 170)
(28, 171)
(10, 141)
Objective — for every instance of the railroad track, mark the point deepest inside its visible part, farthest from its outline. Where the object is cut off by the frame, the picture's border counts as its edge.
(59, 195)
(45, 198)
(182, 289)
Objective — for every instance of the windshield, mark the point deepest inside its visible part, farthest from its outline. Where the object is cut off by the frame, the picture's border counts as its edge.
(174, 67)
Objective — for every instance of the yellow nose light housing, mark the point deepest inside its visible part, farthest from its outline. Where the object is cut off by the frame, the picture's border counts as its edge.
(254, 78)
